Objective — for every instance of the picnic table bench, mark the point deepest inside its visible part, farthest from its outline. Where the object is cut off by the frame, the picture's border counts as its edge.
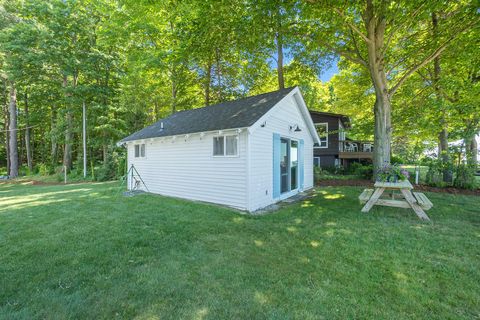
(399, 194)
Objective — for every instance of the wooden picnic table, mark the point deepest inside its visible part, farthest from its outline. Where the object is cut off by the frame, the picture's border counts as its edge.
(399, 194)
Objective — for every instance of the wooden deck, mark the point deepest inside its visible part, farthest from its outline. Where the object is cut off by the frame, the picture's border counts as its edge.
(355, 155)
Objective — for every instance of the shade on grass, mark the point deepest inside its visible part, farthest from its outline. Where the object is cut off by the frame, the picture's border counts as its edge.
(84, 251)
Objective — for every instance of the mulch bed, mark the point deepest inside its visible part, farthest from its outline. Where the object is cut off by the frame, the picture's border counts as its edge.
(420, 187)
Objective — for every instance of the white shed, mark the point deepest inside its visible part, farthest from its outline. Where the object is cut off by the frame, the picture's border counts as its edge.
(247, 154)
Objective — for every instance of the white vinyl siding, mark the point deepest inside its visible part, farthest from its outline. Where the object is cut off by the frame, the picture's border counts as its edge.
(232, 167)
(185, 168)
(261, 150)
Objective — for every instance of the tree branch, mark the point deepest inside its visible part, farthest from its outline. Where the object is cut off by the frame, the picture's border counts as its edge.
(405, 23)
(353, 27)
(428, 59)
(357, 49)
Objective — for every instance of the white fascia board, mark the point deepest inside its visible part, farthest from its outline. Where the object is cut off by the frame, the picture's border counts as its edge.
(224, 131)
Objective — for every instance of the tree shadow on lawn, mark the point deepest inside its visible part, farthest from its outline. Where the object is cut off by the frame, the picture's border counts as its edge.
(152, 256)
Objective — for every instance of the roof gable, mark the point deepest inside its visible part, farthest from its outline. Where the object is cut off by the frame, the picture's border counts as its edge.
(239, 113)
(299, 103)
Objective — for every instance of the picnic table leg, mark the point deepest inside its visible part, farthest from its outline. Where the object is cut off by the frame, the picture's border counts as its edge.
(413, 203)
(373, 199)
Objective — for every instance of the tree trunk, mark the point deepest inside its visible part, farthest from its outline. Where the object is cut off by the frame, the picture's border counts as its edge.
(471, 147)
(279, 40)
(28, 145)
(6, 120)
(474, 149)
(174, 96)
(382, 108)
(208, 81)
(383, 129)
(219, 74)
(67, 153)
(443, 154)
(281, 81)
(53, 139)
(13, 132)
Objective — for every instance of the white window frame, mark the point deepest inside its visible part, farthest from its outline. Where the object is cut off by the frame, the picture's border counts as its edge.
(341, 132)
(326, 130)
(237, 138)
(319, 161)
(139, 150)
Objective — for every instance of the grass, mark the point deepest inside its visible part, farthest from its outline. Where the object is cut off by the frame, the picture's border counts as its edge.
(85, 252)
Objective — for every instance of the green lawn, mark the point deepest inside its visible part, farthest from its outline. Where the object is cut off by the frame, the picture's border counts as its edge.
(85, 252)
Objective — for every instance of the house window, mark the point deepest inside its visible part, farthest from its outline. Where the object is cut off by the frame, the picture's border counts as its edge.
(341, 132)
(140, 150)
(316, 161)
(225, 146)
(322, 130)
(218, 146)
(231, 145)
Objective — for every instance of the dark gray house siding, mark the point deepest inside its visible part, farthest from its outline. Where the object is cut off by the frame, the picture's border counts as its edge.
(328, 156)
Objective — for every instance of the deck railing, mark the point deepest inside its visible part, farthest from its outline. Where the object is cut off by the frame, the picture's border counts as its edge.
(355, 146)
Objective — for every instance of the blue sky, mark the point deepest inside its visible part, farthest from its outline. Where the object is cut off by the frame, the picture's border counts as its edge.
(328, 73)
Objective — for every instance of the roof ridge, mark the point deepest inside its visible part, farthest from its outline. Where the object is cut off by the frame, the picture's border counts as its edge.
(240, 99)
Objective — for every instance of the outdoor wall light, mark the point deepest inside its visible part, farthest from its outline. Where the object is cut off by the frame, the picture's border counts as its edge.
(295, 128)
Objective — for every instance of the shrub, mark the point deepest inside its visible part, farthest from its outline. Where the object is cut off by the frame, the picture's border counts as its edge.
(353, 168)
(465, 177)
(434, 176)
(112, 168)
(397, 159)
(364, 171)
(43, 169)
(317, 173)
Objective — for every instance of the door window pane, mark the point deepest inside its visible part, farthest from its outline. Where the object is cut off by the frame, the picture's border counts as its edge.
(231, 145)
(284, 164)
(293, 165)
(218, 145)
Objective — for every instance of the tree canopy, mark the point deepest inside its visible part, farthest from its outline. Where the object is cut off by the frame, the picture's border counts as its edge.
(408, 76)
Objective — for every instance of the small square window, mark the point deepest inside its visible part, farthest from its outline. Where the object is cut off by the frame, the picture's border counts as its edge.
(137, 150)
(218, 146)
(140, 150)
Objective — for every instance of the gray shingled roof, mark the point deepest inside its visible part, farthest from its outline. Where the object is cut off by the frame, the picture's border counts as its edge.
(239, 113)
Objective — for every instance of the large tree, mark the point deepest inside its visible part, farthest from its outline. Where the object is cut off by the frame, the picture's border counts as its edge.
(388, 39)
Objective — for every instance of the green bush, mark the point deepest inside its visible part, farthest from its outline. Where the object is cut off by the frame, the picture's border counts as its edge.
(465, 177)
(112, 168)
(364, 171)
(317, 173)
(434, 176)
(353, 167)
(43, 169)
(397, 160)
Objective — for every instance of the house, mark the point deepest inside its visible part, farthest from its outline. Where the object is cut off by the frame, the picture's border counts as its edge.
(335, 149)
(247, 154)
